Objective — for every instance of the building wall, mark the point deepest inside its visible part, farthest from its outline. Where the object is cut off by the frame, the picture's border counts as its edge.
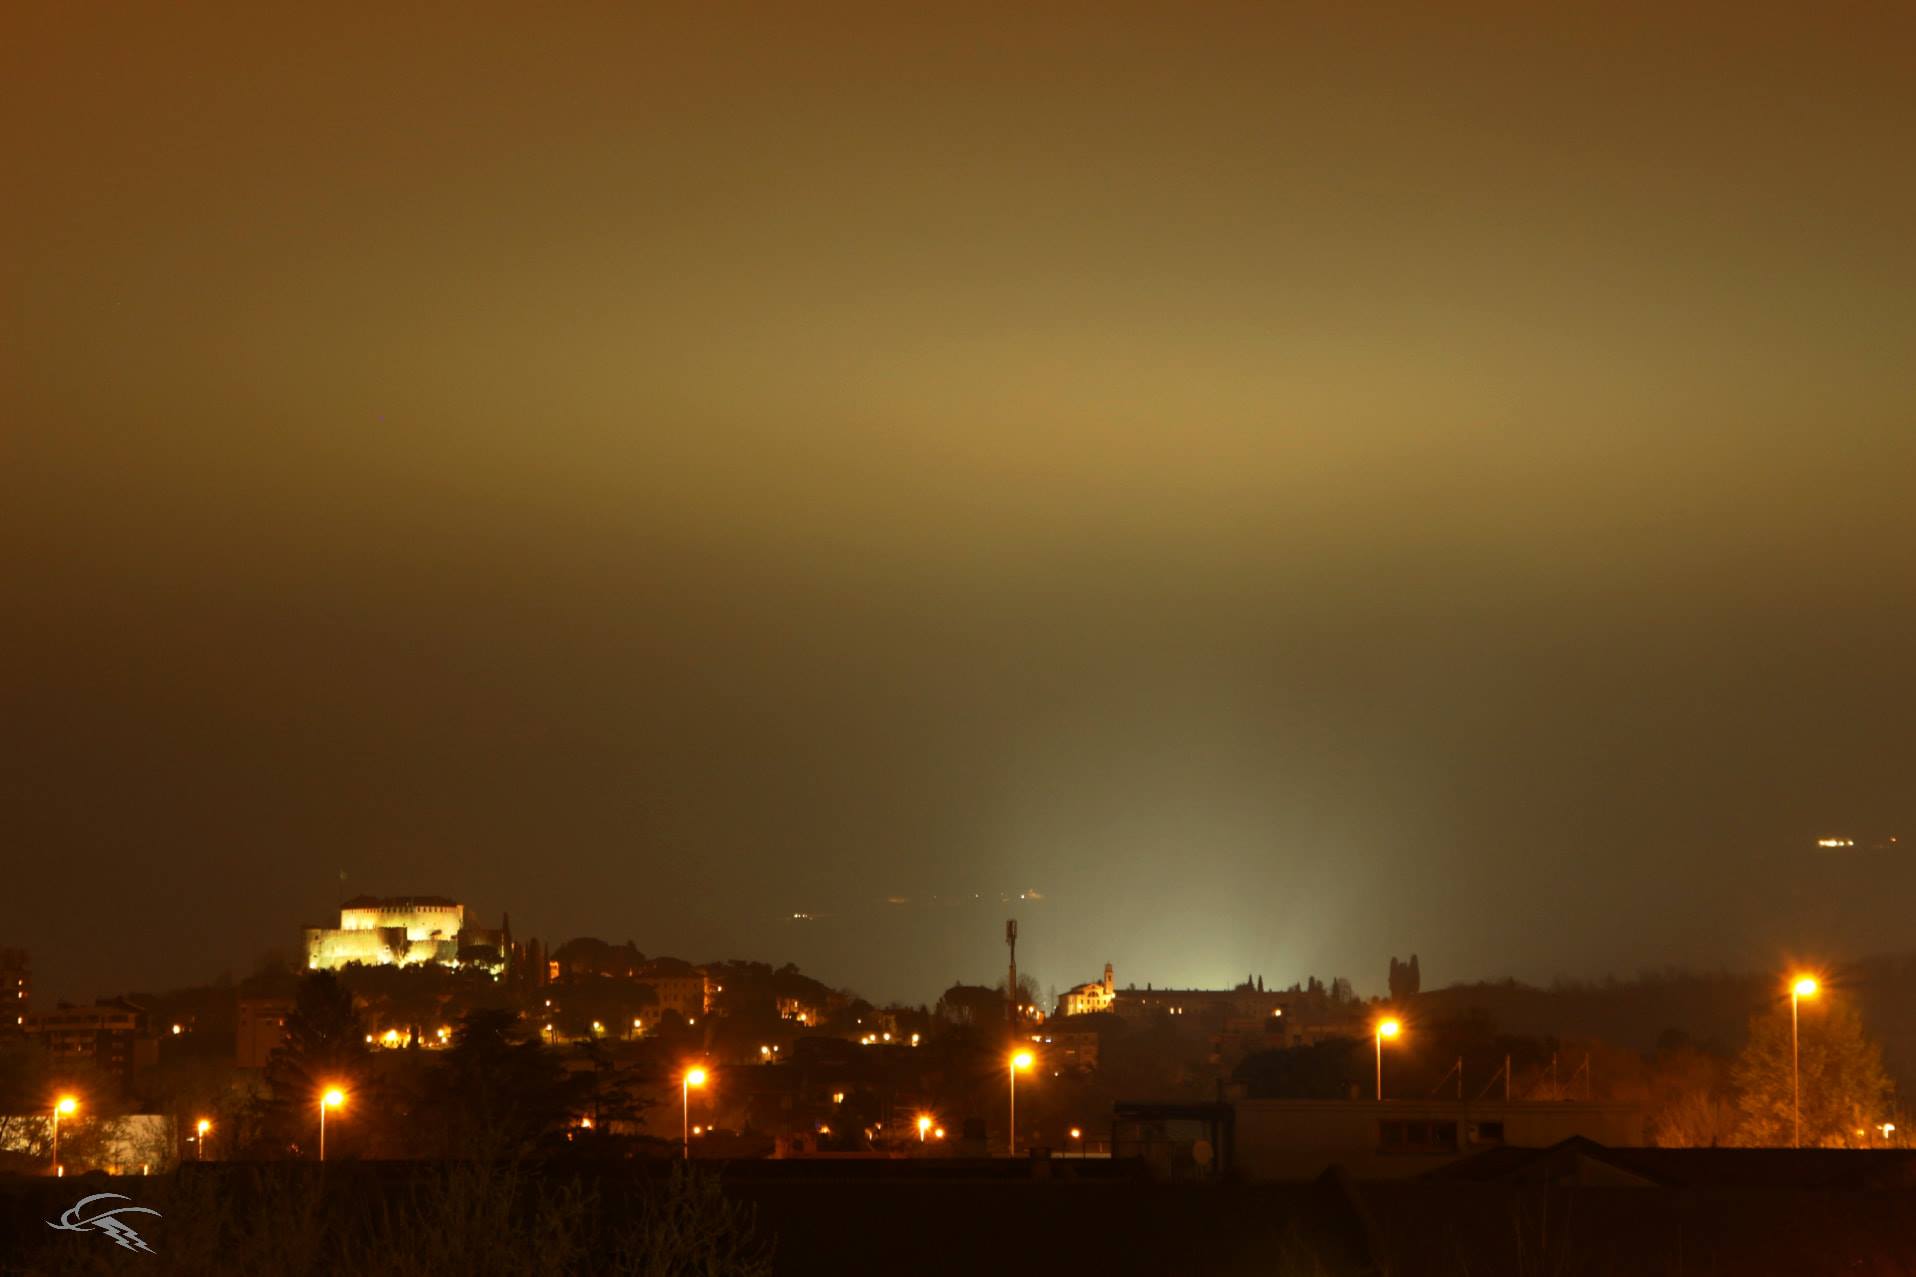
(396, 932)
(689, 995)
(1240, 1003)
(1073, 1050)
(798, 1009)
(1299, 1139)
(1089, 999)
(111, 1035)
(16, 987)
(261, 1026)
(421, 922)
(1086, 999)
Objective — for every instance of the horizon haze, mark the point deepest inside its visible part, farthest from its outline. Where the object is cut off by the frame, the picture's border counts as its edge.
(1290, 486)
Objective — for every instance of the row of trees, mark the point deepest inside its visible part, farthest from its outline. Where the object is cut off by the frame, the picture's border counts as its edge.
(1693, 1096)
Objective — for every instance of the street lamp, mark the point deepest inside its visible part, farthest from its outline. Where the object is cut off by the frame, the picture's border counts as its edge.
(1385, 1029)
(1805, 987)
(332, 1099)
(200, 1129)
(693, 1077)
(1022, 1060)
(924, 1124)
(1077, 1133)
(65, 1106)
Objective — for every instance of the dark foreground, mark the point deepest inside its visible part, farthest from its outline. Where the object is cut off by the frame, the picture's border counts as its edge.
(795, 1218)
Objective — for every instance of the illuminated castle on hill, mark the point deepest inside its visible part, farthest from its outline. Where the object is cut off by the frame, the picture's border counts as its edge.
(403, 931)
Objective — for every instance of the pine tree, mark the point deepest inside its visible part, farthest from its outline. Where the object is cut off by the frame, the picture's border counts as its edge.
(325, 1046)
(497, 1092)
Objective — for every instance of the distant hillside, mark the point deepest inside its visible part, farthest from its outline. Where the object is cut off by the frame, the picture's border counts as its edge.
(1713, 1010)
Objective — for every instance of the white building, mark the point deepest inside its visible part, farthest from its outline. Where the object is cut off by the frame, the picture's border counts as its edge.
(1089, 999)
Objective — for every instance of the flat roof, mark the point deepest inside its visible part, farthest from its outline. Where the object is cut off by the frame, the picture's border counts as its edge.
(401, 902)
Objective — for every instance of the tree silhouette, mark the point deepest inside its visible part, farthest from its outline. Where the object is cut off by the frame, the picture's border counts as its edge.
(325, 1046)
(1326, 1070)
(498, 1094)
(1845, 1089)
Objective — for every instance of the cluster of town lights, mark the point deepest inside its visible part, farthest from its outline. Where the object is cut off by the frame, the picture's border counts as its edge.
(333, 1097)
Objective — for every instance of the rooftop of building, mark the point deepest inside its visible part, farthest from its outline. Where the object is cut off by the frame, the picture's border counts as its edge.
(1572, 1160)
(401, 902)
(661, 968)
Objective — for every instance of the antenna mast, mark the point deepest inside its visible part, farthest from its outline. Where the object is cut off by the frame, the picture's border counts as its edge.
(1011, 985)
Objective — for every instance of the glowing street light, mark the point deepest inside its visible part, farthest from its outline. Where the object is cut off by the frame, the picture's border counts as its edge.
(332, 1099)
(1077, 1133)
(693, 1077)
(65, 1106)
(1804, 987)
(924, 1125)
(200, 1128)
(1022, 1060)
(1385, 1029)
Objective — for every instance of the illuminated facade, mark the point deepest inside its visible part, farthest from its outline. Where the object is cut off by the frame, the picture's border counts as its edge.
(798, 1009)
(680, 986)
(404, 931)
(1089, 999)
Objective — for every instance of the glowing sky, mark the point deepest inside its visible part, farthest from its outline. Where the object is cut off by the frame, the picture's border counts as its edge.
(1291, 483)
